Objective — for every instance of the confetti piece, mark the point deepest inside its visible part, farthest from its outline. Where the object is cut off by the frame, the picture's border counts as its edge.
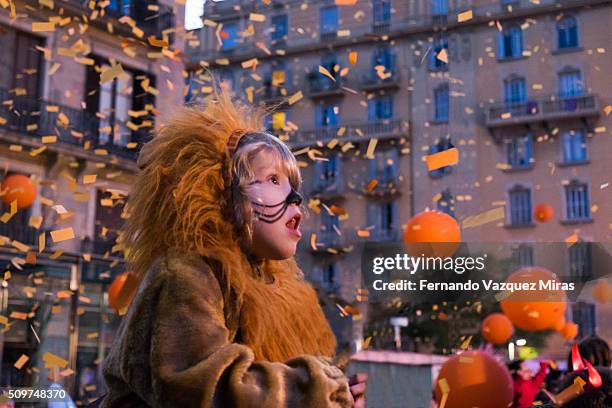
(465, 16)
(445, 158)
(371, 147)
(363, 233)
(53, 360)
(21, 361)
(485, 217)
(571, 240)
(607, 109)
(62, 234)
(371, 184)
(325, 72)
(110, 73)
(259, 18)
(313, 241)
(346, 2)
(466, 343)
(442, 55)
(43, 26)
(352, 57)
(295, 97)
(41, 242)
(18, 315)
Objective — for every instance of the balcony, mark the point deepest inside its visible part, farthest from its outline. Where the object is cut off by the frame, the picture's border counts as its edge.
(271, 95)
(371, 81)
(17, 229)
(382, 129)
(541, 110)
(322, 87)
(76, 129)
(151, 20)
(381, 27)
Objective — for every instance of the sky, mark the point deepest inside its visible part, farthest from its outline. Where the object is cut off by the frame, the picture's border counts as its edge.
(193, 12)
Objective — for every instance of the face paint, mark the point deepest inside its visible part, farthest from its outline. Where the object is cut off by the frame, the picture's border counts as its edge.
(293, 198)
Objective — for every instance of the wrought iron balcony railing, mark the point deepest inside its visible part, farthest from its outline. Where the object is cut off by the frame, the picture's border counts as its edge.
(75, 127)
(540, 110)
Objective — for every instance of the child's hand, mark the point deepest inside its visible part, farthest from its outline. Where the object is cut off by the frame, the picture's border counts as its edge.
(357, 384)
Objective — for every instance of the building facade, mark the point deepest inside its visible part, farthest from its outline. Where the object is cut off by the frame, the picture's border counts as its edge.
(364, 92)
(82, 85)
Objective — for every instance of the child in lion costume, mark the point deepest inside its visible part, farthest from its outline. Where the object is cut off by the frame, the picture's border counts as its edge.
(223, 316)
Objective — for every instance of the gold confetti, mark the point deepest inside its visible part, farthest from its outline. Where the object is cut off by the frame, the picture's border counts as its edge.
(465, 16)
(371, 147)
(445, 158)
(41, 242)
(53, 360)
(21, 361)
(295, 97)
(43, 26)
(259, 18)
(442, 55)
(483, 218)
(352, 57)
(313, 241)
(571, 240)
(325, 72)
(62, 234)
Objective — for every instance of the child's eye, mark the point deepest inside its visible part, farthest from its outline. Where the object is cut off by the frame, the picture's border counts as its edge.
(274, 180)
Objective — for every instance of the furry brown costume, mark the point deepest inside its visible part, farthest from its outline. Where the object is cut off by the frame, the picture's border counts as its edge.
(205, 328)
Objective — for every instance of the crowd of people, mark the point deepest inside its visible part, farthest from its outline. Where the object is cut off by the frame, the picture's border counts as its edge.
(551, 387)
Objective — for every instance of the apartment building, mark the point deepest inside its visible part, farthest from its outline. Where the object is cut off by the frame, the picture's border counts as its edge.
(82, 85)
(518, 87)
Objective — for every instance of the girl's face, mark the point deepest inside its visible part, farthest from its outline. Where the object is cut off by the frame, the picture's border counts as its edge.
(270, 187)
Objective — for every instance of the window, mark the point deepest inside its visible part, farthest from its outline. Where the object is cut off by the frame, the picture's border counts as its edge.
(577, 205)
(570, 83)
(438, 56)
(328, 173)
(439, 7)
(441, 145)
(580, 261)
(520, 206)
(330, 222)
(510, 42)
(574, 146)
(383, 217)
(523, 255)
(329, 279)
(515, 90)
(384, 166)
(326, 115)
(230, 36)
(384, 57)
(441, 100)
(446, 203)
(380, 108)
(279, 27)
(329, 21)
(26, 59)
(112, 101)
(584, 315)
(567, 33)
(381, 12)
(519, 151)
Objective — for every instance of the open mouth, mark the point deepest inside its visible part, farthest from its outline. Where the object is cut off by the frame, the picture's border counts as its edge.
(294, 222)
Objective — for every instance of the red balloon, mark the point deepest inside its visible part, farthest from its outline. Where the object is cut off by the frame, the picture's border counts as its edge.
(497, 328)
(543, 212)
(19, 188)
(432, 233)
(474, 379)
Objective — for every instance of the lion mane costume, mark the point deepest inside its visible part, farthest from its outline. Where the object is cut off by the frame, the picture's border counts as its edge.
(204, 328)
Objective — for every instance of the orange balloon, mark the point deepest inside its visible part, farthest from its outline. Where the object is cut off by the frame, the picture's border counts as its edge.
(534, 310)
(602, 292)
(569, 331)
(19, 188)
(559, 325)
(122, 290)
(432, 233)
(497, 328)
(474, 379)
(543, 212)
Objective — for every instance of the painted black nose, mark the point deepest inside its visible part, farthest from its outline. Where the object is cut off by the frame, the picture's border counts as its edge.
(294, 198)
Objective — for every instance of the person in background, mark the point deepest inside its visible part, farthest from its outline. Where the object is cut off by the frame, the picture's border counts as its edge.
(592, 397)
(526, 385)
(594, 349)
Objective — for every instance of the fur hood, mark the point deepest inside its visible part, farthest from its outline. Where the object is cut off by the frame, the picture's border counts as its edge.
(179, 201)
